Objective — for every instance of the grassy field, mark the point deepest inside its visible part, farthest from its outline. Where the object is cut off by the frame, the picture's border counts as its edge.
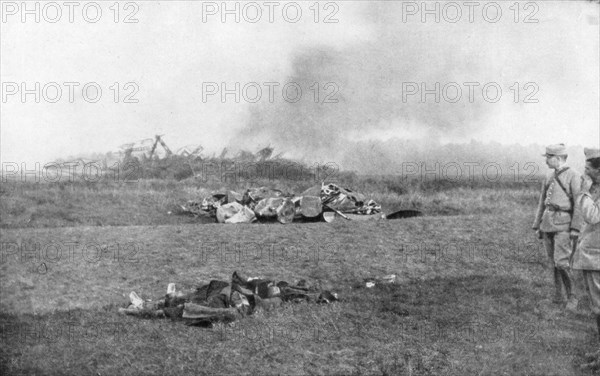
(148, 202)
(472, 295)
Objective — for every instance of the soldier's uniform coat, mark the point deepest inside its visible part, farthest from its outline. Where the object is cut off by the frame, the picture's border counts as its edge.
(556, 216)
(587, 255)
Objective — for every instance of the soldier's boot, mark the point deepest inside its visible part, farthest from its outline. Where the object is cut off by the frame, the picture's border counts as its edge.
(557, 287)
(572, 300)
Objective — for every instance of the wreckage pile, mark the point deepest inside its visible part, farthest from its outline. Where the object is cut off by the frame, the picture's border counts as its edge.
(221, 301)
(264, 203)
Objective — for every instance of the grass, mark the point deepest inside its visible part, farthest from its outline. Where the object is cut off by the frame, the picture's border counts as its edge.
(472, 295)
(148, 202)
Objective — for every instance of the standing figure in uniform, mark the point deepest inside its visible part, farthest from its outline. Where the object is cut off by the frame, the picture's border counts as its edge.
(587, 255)
(556, 221)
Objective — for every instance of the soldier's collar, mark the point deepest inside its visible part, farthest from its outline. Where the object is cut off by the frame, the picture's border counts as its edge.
(561, 170)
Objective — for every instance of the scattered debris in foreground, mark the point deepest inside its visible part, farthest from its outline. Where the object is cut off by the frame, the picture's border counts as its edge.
(385, 280)
(221, 301)
(327, 202)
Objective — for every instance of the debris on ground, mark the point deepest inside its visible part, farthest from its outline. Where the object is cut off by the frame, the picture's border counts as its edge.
(347, 201)
(221, 301)
(235, 213)
(326, 202)
(378, 281)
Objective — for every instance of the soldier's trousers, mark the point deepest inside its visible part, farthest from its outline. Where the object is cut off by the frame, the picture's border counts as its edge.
(559, 248)
(591, 279)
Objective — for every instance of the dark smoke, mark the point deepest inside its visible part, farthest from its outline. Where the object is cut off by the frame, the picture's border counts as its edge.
(370, 78)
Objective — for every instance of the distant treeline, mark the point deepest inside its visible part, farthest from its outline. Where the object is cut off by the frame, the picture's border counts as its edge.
(410, 158)
(429, 163)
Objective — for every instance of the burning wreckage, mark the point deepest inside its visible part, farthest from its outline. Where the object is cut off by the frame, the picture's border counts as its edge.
(325, 202)
(221, 301)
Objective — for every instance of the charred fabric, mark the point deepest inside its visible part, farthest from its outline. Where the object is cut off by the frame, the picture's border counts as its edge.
(327, 202)
(223, 301)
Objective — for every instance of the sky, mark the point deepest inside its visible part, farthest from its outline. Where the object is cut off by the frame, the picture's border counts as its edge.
(361, 75)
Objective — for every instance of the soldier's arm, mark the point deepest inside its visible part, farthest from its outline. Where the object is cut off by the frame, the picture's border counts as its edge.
(540, 208)
(577, 220)
(590, 210)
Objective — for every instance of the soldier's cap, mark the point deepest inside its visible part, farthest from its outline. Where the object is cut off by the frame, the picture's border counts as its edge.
(557, 149)
(591, 153)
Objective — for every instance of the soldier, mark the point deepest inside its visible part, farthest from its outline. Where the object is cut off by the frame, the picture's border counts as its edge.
(557, 223)
(587, 255)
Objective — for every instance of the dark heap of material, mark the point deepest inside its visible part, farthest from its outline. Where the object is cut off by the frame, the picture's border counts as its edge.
(221, 301)
(264, 203)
